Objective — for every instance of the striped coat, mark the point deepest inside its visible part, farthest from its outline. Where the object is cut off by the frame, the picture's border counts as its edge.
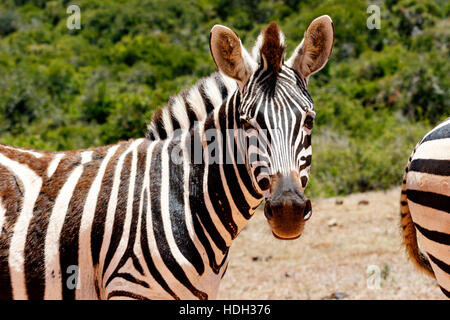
(425, 203)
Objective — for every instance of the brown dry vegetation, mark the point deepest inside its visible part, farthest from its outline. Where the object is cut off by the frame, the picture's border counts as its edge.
(339, 242)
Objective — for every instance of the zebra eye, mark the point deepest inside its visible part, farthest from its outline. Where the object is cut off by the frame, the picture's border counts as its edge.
(264, 184)
(309, 122)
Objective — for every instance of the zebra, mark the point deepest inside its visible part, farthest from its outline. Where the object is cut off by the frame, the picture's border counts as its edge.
(143, 218)
(425, 205)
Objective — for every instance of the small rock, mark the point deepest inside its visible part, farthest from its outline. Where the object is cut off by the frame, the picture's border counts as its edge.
(336, 296)
(339, 202)
(268, 258)
(288, 274)
(363, 202)
(322, 245)
(332, 223)
(339, 295)
(256, 258)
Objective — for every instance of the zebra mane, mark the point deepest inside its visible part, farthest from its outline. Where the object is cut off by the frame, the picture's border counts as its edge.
(190, 105)
(270, 45)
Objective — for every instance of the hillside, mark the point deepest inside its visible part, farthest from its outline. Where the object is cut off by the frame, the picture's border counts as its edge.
(380, 92)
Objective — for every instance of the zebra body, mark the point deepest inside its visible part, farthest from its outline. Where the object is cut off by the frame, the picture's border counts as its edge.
(153, 218)
(425, 202)
(104, 221)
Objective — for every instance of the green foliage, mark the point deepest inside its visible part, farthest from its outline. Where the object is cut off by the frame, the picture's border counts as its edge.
(380, 92)
(9, 22)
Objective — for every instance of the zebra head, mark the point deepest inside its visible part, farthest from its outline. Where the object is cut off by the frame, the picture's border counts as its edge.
(276, 111)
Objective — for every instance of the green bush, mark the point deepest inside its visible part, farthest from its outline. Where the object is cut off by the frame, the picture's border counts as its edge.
(380, 92)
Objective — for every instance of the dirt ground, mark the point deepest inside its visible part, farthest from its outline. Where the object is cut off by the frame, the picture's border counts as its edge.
(349, 250)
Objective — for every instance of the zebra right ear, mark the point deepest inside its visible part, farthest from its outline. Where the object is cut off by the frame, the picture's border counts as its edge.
(229, 55)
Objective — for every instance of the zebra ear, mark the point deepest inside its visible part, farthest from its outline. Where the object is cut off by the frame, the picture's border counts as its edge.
(229, 55)
(315, 49)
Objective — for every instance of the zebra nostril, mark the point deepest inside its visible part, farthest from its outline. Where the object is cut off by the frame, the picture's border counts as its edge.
(268, 211)
(308, 210)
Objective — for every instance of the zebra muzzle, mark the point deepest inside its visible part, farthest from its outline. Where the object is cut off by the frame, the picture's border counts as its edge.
(287, 209)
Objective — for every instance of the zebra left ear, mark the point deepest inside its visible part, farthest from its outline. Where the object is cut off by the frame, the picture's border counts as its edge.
(315, 49)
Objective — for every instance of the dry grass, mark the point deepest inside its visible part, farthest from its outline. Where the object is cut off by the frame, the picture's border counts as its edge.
(328, 258)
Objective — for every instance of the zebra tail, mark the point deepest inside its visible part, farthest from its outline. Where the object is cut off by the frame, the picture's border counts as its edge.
(409, 232)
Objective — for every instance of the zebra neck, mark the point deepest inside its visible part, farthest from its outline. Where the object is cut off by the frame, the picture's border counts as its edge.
(190, 106)
(222, 195)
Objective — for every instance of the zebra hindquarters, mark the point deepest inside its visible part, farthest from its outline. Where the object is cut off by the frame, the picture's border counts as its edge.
(428, 199)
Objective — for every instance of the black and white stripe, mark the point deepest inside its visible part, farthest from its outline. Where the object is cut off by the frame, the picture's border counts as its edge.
(190, 106)
(426, 204)
(280, 116)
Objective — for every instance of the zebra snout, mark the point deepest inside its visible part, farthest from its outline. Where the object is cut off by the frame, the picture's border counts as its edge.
(287, 208)
(299, 207)
(287, 216)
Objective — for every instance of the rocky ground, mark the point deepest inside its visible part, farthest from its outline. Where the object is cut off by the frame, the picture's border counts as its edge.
(351, 249)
